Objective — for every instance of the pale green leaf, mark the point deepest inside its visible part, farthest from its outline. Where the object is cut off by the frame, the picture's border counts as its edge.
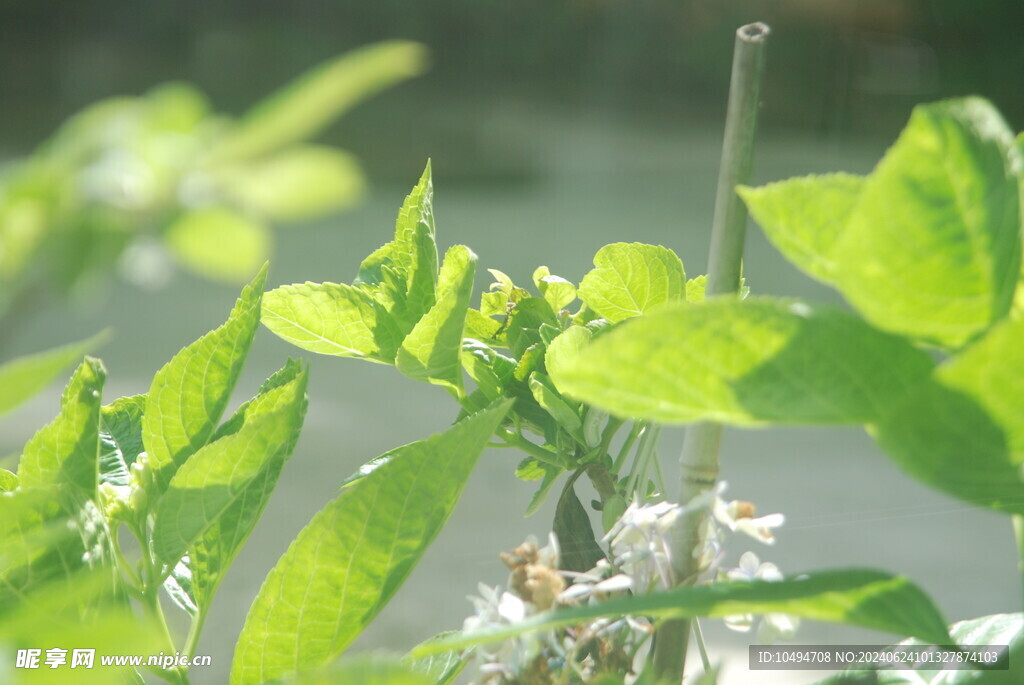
(402, 275)
(563, 350)
(189, 394)
(65, 452)
(860, 597)
(219, 243)
(211, 555)
(120, 438)
(432, 351)
(219, 475)
(632, 278)
(331, 318)
(963, 431)
(309, 104)
(695, 288)
(23, 377)
(354, 555)
(8, 481)
(762, 360)
(804, 217)
(558, 292)
(932, 249)
(296, 184)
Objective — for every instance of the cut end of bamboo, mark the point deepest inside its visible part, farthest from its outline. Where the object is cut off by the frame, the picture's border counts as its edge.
(757, 32)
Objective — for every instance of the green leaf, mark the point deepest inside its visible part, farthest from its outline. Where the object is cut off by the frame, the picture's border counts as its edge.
(219, 243)
(296, 184)
(489, 369)
(963, 430)
(432, 351)
(745, 363)
(563, 412)
(219, 475)
(189, 394)
(443, 668)
(998, 629)
(66, 451)
(8, 481)
(309, 104)
(368, 669)
(695, 288)
(580, 551)
(524, 324)
(120, 438)
(860, 597)
(558, 292)
(402, 275)
(551, 474)
(354, 555)
(563, 350)
(632, 278)
(211, 555)
(932, 249)
(330, 318)
(805, 217)
(23, 377)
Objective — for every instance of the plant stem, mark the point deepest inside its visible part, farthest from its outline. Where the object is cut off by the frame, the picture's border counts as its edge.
(699, 458)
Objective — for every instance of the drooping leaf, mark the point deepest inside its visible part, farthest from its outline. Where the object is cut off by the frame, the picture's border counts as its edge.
(354, 555)
(23, 377)
(632, 278)
(998, 629)
(762, 360)
(432, 351)
(120, 437)
(330, 318)
(489, 369)
(579, 550)
(211, 555)
(219, 243)
(963, 430)
(189, 394)
(296, 184)
(860, 597)
(804, 217)
(307, 105)
(220, 474)
(562, 411)
(932, 249)
(65, 452)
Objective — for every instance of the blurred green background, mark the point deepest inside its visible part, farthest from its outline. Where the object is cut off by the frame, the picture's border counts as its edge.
(554, 128)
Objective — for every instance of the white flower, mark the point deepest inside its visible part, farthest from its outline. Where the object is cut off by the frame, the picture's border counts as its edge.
(739, 516)
(772, 625)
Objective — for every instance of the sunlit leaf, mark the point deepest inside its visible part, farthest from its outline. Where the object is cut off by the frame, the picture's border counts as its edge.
(354, 555)
(860, 597)
(65, 452)
(632, 278)
(761, 360)
(218, 475)
(189, 394)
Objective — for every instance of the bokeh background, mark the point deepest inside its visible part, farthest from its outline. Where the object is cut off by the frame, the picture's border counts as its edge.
(554, 127)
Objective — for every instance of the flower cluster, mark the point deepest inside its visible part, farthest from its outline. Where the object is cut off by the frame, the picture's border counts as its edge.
(639, 561)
